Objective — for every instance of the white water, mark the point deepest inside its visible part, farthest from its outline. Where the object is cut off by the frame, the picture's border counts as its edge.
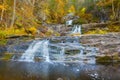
(62, 53)
(69, 23)
(76, 29)
(36, 46)
(46, 51)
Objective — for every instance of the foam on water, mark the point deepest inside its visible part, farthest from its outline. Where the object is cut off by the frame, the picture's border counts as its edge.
(40, 46)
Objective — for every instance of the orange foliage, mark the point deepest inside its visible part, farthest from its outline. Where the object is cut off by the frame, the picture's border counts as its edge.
(3, 7)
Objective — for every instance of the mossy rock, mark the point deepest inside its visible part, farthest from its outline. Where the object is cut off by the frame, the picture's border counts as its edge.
(76, 34)
(72, 52)
(115, 58)
(7, 56)
(38, 59)
(104, 59)
(3, 42)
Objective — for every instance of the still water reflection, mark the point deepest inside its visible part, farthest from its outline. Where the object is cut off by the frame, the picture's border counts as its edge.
(57, 71)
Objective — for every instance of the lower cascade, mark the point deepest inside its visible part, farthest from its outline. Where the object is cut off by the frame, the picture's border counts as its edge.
(65, 49)
(34, 48)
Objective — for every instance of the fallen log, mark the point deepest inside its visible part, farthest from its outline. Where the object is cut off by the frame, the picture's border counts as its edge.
(92, 26)
(18, 36)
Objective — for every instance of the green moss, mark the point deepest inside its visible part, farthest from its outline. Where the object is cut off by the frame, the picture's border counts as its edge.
(72, 52)
(116, 58)
(114, 28)
(98, 31)
(109, 28)
(2, 34)
(80, 21)
(7, 56)
(104, 59)
(3, 42)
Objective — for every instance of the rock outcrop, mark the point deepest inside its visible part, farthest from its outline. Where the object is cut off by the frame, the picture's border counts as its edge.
(107, 43)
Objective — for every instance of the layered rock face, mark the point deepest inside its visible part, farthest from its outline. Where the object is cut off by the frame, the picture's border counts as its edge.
(107, 43)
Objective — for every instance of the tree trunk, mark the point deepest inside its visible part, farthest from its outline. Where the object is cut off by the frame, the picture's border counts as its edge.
(14, 12)
(113, 9)
(1, 17)
(117, 11)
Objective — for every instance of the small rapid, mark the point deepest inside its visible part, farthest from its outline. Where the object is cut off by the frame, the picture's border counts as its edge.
(76, 29)
(63, 49)
(37, 46)
(59, 49)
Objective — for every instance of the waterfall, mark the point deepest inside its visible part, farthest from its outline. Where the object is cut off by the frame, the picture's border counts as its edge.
(36, 47)
(70, 50)
(62, 53)
(76, 29)
(46, 51)
(68, 23)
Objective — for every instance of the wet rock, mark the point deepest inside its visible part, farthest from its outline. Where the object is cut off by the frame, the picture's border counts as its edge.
(3, 49)
(72, 52)
(17, 45)
(107, 43)
(37, 59)
(64, 39)
(104, 59)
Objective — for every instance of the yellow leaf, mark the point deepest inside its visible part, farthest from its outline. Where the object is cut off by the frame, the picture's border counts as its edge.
(3, 7)
(83, 10)
(71, 9)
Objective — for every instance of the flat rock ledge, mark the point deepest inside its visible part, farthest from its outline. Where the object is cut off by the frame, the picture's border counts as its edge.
(107, 43)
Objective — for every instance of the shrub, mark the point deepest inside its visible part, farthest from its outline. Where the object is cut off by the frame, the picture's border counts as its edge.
(98, 31)
(114, 28)
(2, 34)
(33, 30)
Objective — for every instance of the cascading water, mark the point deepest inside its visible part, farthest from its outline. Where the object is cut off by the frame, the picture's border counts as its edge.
(62, 53)
(70, 50)
(46, 50)
(76, 29)
(69, 23)
(59, 49)
(36, 47)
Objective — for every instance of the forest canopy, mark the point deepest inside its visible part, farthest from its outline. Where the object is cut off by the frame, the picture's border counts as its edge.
(25, 15)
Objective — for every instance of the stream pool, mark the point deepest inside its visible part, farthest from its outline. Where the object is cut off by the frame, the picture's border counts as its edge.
(14, 70)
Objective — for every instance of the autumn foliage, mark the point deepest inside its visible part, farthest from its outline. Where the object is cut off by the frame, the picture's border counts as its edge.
(25, 15)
